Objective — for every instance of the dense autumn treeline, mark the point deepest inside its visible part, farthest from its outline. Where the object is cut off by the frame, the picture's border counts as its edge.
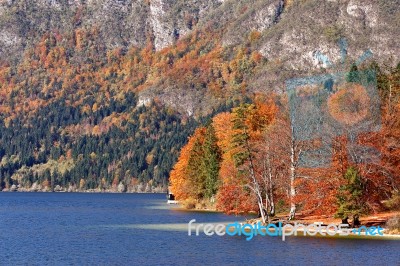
(249, 160)
(71, 114)
(75, 66)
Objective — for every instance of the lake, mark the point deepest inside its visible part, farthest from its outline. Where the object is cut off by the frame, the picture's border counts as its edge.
(141, 229)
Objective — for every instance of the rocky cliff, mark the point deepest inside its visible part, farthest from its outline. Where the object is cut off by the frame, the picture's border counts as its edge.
(121, 22)
(293, 32)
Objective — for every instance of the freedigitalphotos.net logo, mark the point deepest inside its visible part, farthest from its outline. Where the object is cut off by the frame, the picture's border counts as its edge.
(279, 230)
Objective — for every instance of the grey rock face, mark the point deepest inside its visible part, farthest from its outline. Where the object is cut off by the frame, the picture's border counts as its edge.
(122, 23)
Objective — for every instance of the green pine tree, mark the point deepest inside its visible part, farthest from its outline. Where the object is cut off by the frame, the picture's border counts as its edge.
(241, 138)
(196, 172)
(211, 162)
(350, 196)
(353, 75)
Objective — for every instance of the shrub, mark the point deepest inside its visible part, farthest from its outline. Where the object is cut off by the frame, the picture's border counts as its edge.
(393, 203)
(393, 225)
(189, 203)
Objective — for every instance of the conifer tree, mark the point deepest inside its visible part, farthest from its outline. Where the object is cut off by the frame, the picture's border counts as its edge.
(350, 194)
(211, 162)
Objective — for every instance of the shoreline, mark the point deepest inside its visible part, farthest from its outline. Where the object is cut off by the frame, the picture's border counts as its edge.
(183, 209)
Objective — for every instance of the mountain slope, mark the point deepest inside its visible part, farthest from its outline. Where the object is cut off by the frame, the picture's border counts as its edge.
(102, 94)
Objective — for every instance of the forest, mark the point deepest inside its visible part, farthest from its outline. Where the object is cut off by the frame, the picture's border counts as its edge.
(207, 114)
(72, 117)
(250, 159)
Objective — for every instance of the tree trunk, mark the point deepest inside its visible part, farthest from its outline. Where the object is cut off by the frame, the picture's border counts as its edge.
(270, 195)
(272, 207)
(269, 204)
(292, 213)
(262, 212)
(256, 186)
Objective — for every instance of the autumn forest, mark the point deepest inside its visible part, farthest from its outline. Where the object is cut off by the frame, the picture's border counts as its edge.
(248, 159)
(78, 114)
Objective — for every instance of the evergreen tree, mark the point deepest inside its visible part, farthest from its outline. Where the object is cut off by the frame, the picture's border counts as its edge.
(350, 195)
(353, 75)
(211, 162)
(196, 171)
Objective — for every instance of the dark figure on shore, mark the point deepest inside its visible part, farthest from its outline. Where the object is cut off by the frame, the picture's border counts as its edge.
(356, 221)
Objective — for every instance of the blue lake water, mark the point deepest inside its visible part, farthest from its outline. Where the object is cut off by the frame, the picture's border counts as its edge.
(140, 229)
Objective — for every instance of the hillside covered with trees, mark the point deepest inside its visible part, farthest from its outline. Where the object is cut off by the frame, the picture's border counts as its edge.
(249, 159)
(72, 117)
(103, 95)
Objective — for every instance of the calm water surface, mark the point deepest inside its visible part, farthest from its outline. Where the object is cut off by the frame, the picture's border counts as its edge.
(140, 229)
